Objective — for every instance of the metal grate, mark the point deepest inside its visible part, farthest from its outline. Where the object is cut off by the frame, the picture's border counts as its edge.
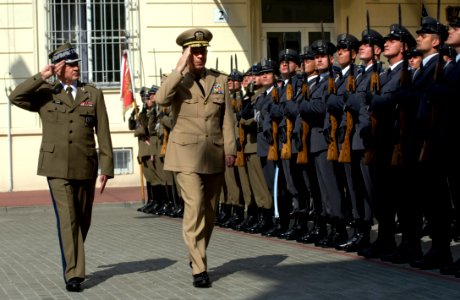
(96, 28)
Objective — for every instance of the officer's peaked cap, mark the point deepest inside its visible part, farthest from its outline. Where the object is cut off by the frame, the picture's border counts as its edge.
(398, 32)
(64, 52)
(323, 47)
(289, 55)
(307, 53)
(267, 66)
(372, 37)
(430, 25)
(347, 41)
(153, 89)
(195, 37)
(453, 15)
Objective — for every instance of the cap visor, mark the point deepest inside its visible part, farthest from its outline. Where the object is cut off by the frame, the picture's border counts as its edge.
(69, 61)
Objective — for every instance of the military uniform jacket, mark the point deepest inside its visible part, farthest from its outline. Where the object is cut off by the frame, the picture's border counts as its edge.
(261, 108)
(68, 148)
(203, 129)
(314, 112)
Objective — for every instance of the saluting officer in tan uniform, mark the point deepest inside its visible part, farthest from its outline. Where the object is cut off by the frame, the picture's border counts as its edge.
(201, 143)
(68, 156)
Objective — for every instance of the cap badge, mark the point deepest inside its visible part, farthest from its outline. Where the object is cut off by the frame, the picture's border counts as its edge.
(199, 35)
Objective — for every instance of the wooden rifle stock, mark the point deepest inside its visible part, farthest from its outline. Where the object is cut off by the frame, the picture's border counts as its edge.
(332, 149)
(302, 155)
(273, 148)
(239, 161)
(165, 137)
(345, 151)
(369, 156)
(286, 150)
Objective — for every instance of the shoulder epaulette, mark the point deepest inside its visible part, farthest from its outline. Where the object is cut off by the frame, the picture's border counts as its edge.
(217, 71)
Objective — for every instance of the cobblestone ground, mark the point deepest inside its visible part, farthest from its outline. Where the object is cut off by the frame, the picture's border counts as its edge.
(131, 255)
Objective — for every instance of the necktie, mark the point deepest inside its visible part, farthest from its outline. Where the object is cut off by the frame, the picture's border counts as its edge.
(69, 92)
(197, 80)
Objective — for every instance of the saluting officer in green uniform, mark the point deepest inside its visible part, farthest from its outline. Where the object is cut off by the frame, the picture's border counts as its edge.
(71, 112)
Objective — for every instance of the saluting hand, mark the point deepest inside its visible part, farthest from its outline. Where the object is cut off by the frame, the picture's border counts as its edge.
(52, 69)
(182, 63)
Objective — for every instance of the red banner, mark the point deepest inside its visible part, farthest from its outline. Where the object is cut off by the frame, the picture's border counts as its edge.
(126, 89)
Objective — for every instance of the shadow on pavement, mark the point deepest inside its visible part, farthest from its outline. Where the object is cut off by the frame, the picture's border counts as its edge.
(126, 268)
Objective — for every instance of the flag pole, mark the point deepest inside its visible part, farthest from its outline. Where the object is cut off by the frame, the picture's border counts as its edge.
(136, 111)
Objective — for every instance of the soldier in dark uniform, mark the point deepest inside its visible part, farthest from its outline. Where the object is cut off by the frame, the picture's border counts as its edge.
(313, 204)
(371, 46)
(445, 92)
(315, 112)
(71, 113)
(262, 196)
(413, 192)
(388, 181)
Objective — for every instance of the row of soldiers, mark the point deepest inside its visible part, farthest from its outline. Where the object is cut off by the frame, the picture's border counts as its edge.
(151, 126)
(321, 138)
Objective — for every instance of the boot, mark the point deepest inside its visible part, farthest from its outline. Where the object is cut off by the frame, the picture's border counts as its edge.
(249, 221)
(265, 221)
(174, 202)
(337, 235)
(225, 212)
(149, 201)
(236, 218)
(299, 228)
(159, 193)
(318, 232)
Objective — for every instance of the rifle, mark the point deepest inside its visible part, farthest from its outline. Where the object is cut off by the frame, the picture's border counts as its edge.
(273, 148)
(239, 161)
(286, 149)
(405, 81)
(164, 143)
(332, 149)
(302, 155)
(438, 74)
(345, 152)
(165, 136)
(374, 88)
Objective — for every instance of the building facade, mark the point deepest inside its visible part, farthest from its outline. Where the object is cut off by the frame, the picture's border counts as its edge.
(251, 30)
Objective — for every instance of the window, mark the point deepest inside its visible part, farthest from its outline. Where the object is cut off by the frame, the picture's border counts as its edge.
(297, 11)
(97, 29)
(122, 161)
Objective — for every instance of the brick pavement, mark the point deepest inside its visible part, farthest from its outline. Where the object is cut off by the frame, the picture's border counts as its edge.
(131, 255)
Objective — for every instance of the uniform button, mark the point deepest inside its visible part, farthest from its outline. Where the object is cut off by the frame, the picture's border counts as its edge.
(206, 135)
(70, 142)
(71, 121)
(70, 131)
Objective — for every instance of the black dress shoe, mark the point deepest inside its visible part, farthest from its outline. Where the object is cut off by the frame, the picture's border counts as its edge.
(73, 285)
(432, 261)
(453, 269)
(201, 280)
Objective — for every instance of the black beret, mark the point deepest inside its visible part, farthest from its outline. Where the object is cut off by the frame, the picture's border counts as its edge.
(323, 47)
(398, 32)
(289, 55)
(372, 36)
(195, 37)
(64, 52)
(347, 41)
